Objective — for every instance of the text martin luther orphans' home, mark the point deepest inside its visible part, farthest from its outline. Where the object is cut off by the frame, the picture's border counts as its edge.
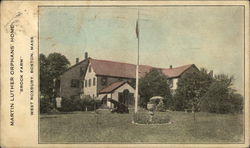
(105, 80)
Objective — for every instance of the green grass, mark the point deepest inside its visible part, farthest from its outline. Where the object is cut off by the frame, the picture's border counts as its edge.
(104, 127)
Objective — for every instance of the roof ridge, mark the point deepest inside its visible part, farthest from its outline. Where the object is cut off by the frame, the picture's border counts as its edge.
(78, 63)
(112, 61)
(180, 66)
(139, 64)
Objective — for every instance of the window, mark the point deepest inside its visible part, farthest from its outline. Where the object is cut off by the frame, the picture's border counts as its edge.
(75, 83)
(81, 71)
(170, 82)
(89, 68)
(93, 81)
(104, 80)
(86, 83)
(82, 84)
(89, 82)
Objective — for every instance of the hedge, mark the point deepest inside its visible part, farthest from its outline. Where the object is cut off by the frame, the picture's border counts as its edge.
(77, 104)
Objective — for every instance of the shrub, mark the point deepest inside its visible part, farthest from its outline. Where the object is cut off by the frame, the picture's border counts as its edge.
(191, 88)
(68, 105)
(154, 83)
(144, 118)
(221, 99)
(77, 104)
(141, 117)
(45, 105)
(90, 104)
(143, 103)
(169, 103)
(161, 107)
(179, 103)
(237, 101)
(161, 119)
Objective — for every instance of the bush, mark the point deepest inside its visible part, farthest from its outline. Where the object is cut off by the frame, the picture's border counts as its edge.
(144, 118)
(169, 103)
(161, 119)
(154, 83)
(45, 105)
(192, 86)
(90, 104)
(161, 107)
(141, 117)
(237, 101)
(77, 104)
(179, 103)
(220, 99)
(142, 102)
(69, 105)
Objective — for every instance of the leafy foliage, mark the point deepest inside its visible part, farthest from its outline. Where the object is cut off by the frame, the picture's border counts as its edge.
(77, 104)
(143, 117)
(45, 105)
(221, 98)
(169, 103)
(161, 107)
(155, 83)
(191, 88)
(50, 68)
(201, 91)
(44, 77)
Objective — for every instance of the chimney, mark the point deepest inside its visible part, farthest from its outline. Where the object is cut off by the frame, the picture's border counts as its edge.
(86, 55)
(77, 60)
(170, 66)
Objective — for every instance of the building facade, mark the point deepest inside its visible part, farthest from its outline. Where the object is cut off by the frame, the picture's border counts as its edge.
(105, 80)
(70, 82)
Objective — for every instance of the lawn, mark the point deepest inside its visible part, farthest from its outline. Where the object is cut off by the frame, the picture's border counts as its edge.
(89, 127)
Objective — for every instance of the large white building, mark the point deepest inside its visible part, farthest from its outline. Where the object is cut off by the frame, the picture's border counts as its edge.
(112, 80)
(105, 80)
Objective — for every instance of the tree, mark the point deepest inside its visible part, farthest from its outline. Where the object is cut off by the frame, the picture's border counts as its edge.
(191, 88)
(57, 64)
(154, 83)
(50, 68)
(221, 97)
(237, 100)
(43, 75)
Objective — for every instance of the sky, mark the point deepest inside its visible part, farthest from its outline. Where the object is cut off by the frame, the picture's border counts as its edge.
(207, 36)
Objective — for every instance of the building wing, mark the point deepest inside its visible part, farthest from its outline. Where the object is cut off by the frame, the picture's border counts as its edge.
(177, 71)
(112, 87)
(126, 70)
(117, 69)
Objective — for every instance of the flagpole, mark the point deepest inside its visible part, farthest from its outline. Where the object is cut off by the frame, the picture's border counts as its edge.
(137, 64)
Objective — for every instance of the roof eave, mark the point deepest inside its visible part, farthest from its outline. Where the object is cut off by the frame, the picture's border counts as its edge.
(114, 88)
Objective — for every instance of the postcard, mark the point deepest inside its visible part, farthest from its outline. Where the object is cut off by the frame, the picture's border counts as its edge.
(124, 73)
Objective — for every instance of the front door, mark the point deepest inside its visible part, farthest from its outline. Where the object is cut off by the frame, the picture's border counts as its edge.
(125, 97)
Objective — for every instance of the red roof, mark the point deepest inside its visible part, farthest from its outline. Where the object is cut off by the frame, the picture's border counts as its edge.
(112, 87)
(175, 72)
(126, 70)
